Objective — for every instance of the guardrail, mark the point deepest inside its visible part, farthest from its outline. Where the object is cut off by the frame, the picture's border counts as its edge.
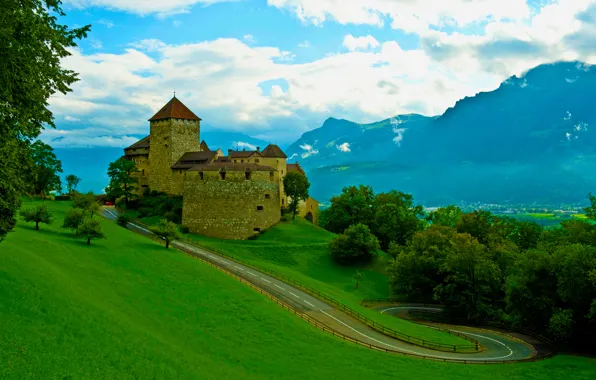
(460, 348)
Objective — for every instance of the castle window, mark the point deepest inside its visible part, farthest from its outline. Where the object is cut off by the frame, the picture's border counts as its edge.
(267, 196)
(282, 172)
(242, 161)
(179, 171)
(143, 171)
(256, 160)
(271, 176)
(282, 201)
(247, 175)
(259, 208)
(201, 175)
(222, 175)
(256, 229)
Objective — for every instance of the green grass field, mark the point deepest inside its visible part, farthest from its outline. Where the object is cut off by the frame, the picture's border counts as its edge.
(128, 308)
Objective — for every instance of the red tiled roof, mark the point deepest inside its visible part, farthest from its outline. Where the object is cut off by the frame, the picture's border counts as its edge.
(190, 159)
(274, 151)
(295, 168)
(204, 147)
(232, 167)
(243, 153)
(175, 109)
(142, 143)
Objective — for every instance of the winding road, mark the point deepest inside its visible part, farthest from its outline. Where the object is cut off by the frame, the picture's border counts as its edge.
(498, 347)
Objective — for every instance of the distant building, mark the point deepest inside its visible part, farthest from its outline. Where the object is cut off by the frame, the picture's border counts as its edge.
(231, 196)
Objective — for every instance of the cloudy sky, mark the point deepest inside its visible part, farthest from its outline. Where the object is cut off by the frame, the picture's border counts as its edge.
(274, 69)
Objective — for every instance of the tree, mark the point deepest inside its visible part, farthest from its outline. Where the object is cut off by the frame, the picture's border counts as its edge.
(33, 45)
(356, 244)
(44, 172)
(167, 231)
(477, 224)
(396, 218)
(358, 278)
(73, 219)
(38, 214)
(591, 210)
(354, 205)
(445, 216)
(87, 202)
(90, 229)
(122, 181)
(296, 189)
(72, 181)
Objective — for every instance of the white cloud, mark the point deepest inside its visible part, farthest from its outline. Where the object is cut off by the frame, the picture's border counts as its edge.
(360, 43)
(96, 44)
(107, 23)
(345, 147)
(244, 145)
(85, 137)
(249, 38)
(308, 151)
(70, 118)
(144, 7)
(176, 23)
(150, 44)
(304, 45)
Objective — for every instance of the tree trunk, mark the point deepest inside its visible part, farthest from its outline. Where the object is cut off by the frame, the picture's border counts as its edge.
(167, 244)
(88, 241)
(356, 284)
(37, 225)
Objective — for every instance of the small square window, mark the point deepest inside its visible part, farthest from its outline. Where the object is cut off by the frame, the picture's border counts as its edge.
(256, 160)
(256, 229)
(267, 196)
(259, 208)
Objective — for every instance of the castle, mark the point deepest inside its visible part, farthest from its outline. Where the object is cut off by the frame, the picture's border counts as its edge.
(233, 196)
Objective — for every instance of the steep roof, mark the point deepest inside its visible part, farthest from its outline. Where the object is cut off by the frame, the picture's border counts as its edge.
(273, 151)
(295, 168)
(142, 143)
(243, 153)
(174, 109)
(204, 147)
(231, 167)
(190, 159)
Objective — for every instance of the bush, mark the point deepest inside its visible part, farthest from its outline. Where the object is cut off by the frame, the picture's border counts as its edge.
(133, 204)
(155, 193)
(62, 197)
(123, 219)
(184, 229)
(74, 218)
(171, 216)
(101, 199)
(38, 214)
(145, 211)
(121, 203)
(356, 245)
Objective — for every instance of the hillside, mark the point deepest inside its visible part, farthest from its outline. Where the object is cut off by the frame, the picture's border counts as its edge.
(127, 308)
(530, 140)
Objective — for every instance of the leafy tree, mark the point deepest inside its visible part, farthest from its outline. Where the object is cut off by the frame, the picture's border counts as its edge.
(296, 187)
(445, 216)
(356, 244)
(72, 181)
(33, 45)
(44, 172)
(123, 219)
(560, 325)
(477, 224)
(354, 205)
(396, 218)
(37, 214)
(73, 219)
(528, 234)
(90, 229)
(166, 231)
(122, 181)
(87, 202)
(358, 278)
(591, 210)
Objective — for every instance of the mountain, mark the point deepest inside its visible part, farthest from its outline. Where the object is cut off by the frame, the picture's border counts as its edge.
(530, 140)
(91, 163)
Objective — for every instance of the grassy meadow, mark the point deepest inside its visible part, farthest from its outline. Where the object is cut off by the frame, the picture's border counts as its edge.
(127, 308)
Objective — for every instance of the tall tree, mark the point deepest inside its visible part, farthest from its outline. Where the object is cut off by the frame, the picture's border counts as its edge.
(32, 46)
(72, 181)
(397, 218)
(122, 181)
(296, 189)
(354, 205)
(45, 168)
(445, 216)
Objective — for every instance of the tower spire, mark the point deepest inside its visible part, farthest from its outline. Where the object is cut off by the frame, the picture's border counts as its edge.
(174, 93)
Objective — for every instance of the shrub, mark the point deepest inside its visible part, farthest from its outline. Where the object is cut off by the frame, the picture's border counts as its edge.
(171, 216)
(166, 231)
(133, 204)
(184, 229)
(356, 245)
(90, 229)
(121, 203)
(145, 211)
(123, 219)
(38, 214)
(62, 197)
(74, 218)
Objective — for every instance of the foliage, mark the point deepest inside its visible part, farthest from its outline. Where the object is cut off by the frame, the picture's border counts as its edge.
(145, 211)
(172, 217)
(396, 218)
(184, 229)
(356, 245)
(72, 181)
(354, 205)
(122, 181)
(296, 187)
(447, 216)
(123, 219)
(166, 231)
(33, 45)
(90, 229)
(45, 166)
(74, 218)
(87, 202)
(37, 214)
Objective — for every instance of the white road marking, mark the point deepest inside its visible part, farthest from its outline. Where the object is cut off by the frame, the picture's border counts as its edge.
(279, 287)
(294, 295)
(305, 301)
(413, 352)
(252, 274)
(237, 267)
(264, 279)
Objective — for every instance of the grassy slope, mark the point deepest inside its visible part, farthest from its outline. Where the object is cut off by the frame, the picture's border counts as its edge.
(127, 308)
(298, 250)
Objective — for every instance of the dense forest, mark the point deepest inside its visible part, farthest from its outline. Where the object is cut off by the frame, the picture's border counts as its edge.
(482, 267)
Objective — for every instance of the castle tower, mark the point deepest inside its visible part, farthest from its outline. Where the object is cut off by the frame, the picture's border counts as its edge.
(175, 130)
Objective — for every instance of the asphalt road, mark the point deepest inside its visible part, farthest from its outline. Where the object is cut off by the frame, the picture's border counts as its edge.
(497, 347)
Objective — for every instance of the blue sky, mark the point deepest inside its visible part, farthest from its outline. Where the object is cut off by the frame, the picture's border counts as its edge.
(274, 69)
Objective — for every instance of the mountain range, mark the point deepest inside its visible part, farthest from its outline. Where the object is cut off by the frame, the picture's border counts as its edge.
(531, 140)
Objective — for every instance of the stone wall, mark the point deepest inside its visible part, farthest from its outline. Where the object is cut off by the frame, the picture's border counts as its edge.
(178, 176)
(229, 209)
(280, 165)
(141, 159)
(170, 139)
(310, 206)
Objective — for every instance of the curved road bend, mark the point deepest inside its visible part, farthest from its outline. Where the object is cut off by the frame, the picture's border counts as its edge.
(497, 347)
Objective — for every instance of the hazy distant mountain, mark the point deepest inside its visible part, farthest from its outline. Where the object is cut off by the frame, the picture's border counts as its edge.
(532, 139)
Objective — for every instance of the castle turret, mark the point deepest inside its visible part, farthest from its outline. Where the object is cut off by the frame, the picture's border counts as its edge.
(175, 130)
